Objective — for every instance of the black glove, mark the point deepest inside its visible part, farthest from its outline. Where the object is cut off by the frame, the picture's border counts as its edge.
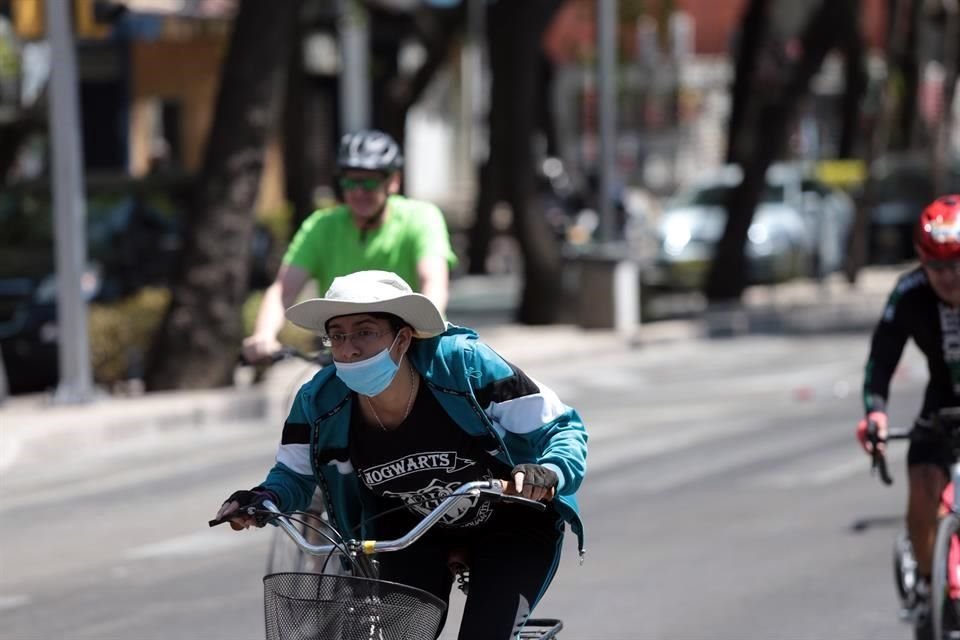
(251, 503)
(536, 475)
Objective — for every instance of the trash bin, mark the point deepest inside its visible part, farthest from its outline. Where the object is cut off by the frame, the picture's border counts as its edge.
(607, 294)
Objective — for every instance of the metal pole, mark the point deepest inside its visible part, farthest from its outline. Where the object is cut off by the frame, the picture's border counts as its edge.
(607, 107)
(69, 207)
(355, 67)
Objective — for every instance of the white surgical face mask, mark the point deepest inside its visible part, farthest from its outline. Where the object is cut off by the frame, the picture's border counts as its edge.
(371, 376)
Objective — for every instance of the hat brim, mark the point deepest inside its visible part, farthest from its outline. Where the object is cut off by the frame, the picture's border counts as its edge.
(414, 308)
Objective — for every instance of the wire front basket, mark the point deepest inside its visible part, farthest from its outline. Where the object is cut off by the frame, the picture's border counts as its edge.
(312, 606)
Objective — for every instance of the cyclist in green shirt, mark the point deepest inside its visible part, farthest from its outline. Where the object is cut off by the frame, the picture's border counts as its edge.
(374, 228)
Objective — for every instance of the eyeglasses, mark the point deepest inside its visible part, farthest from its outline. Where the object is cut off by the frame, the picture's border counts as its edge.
(361, 338)
(366, 184)
(941, 266)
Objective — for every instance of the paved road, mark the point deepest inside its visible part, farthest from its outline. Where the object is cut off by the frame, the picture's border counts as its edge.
(725, 499)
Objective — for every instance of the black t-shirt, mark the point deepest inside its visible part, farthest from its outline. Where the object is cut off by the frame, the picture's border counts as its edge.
(914, 311)
(420, 462)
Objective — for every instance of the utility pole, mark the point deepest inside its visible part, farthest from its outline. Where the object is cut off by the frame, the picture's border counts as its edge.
(607, 108)
(355, 66)
(69, 210)
(609, 276)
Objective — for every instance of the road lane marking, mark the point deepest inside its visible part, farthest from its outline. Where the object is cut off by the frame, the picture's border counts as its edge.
(146, 471)
(818, 475)
(13, 602)
(204, 543)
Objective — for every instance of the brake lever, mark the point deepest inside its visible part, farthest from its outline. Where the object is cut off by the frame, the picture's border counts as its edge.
(879, 464)
(250, 511)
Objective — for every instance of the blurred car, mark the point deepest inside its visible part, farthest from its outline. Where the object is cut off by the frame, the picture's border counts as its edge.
(799, 228)
(898, 188)
(133, 241)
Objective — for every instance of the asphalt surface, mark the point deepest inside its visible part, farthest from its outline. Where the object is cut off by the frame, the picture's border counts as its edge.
(725, 498)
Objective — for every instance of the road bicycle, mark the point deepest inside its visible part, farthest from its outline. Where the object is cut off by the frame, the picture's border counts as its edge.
(943, 623)
(357, 605)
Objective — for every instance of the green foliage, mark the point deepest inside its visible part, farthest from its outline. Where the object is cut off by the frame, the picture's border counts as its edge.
(121, 334)
(279, 221)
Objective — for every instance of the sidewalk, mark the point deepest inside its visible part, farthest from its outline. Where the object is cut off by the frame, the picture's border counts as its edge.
(32, 429)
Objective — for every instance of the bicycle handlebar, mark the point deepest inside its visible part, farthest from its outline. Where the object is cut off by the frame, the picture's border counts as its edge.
(878, 460)
(490, 488)
(283, 353)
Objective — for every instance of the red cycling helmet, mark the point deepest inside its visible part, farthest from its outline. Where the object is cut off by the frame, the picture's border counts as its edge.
(937, 234)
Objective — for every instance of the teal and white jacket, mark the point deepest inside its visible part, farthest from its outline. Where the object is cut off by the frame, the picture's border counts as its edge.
(516, 419)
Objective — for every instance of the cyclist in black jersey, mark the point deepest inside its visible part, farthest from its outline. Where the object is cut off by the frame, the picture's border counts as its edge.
(924, 306)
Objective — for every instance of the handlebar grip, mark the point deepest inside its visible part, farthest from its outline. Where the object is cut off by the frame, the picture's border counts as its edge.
(879, 463)
(499, 490)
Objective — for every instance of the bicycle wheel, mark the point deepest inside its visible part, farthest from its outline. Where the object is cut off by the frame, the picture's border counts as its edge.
(945, 609)
(904, 568)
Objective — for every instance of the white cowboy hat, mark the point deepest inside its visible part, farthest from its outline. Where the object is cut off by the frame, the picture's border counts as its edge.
(370, 292)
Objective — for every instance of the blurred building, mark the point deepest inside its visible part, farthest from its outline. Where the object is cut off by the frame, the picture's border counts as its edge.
(148, 82)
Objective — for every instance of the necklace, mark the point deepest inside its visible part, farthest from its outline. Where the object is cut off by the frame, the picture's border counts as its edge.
(413, 388)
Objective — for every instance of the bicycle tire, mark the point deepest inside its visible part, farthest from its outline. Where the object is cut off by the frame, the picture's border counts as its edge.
(945, 619)
(904, 567)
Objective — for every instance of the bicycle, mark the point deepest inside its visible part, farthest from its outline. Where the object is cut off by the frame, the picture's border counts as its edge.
(358, 605)
(944, 621)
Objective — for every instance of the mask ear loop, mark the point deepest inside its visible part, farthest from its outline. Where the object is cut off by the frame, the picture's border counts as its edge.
(399, 362)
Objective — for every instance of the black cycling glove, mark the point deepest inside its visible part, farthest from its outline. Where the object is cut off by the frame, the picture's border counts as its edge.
(251, 503)
(536, 475)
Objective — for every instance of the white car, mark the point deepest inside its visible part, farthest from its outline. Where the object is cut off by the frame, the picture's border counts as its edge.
(799, 228)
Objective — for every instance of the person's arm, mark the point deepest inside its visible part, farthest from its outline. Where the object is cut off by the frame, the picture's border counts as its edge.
(434, 275)
(290, 281)
(434, 255)
(531, 417)
(886, 347)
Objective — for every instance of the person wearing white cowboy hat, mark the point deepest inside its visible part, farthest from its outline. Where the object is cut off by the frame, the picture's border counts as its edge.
(366, 291)
(458, 412)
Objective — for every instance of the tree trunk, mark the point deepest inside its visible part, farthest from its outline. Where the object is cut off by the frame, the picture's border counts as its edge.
(856, 84)
(481, 231)
(906, 62)
(310, 126)
(523, 25)
(943, 129)
(753, 29)
(728, 277)
(199, 338)
(514, 33)
(506, 40)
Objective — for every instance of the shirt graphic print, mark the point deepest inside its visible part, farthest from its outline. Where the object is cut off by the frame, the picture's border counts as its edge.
(422, 461)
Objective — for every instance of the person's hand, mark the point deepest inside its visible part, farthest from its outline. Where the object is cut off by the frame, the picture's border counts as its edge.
(878, 417)
(259, 347)
(533, 481)
(239, 502)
